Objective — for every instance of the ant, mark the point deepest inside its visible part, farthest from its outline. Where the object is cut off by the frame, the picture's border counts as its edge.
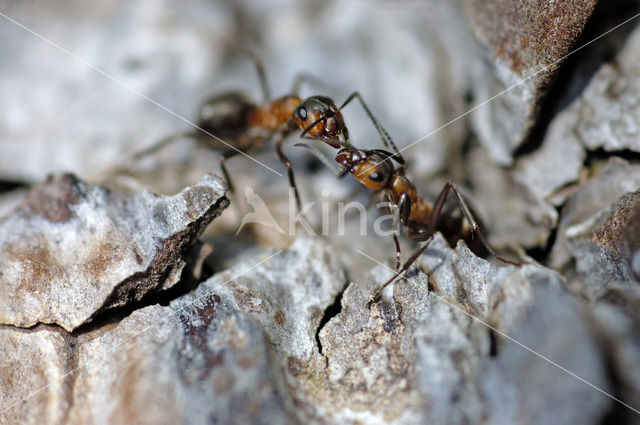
(237, 125)
(374, 169)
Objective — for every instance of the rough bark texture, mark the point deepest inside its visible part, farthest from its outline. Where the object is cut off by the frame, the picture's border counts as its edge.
(71, 249)
(528, 41)
(250, 346)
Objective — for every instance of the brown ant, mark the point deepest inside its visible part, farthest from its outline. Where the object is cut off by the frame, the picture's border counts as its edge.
(374, 169)
(237, 125)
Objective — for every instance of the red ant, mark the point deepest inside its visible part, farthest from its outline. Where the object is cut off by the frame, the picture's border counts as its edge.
(374, 169)
(239, 125)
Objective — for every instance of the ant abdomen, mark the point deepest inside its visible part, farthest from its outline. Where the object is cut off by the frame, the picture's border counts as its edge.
(226, 115)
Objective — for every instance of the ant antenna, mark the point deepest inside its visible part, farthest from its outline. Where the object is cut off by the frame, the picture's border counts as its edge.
(338, 171)
(262, 76)
(384, 135)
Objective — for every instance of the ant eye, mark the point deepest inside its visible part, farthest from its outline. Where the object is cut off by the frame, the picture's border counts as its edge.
(302, 113)
(376, 177)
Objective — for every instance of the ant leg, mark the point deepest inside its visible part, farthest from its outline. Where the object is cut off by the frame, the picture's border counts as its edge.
(405, 207)
(437, 212)
(262, 77)
(161, 144)
(427, 240)
(223, 158)
(398, 256)
(396, 229)
(403, 210)
(133, 160)
(384, 135)
(287, 163)
(305, 77)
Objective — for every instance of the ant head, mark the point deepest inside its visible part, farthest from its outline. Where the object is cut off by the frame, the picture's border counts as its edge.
(371, 168)
(320, 118)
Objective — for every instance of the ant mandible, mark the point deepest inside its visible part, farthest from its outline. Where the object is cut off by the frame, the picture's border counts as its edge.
(374, 169)
(237, 125)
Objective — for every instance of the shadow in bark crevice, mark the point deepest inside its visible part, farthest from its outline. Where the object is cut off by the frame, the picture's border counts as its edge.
(578, 69)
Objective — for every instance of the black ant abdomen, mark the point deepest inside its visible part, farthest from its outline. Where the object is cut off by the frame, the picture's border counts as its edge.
(226, 115)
